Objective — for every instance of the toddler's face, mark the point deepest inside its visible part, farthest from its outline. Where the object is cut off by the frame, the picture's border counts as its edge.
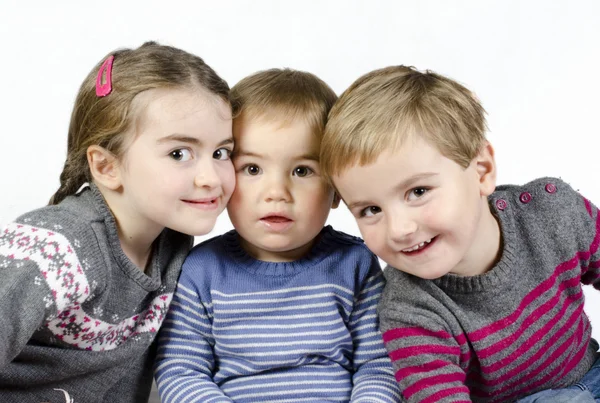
(280, 202)
(421, 212)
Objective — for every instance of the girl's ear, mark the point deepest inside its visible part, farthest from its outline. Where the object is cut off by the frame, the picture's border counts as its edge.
(104, 166)
(486, 169)
(336, 200)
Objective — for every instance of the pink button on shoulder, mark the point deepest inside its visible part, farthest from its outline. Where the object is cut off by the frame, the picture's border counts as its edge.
(550, 188)
(525, 197)
(501, 204)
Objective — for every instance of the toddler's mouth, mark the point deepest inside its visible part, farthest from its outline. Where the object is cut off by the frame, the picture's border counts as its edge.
(276, 219)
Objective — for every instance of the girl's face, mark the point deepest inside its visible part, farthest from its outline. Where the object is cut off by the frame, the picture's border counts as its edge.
(177, 172)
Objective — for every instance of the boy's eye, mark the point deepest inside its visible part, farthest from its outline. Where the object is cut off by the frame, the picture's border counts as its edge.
(416, 193)
(181, 154)
(252, 169)
(302, 171)
(222, 154)
(370, 211)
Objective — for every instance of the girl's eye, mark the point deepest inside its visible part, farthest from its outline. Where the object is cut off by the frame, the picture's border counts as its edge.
(252, 169)
(181, 154)
(370, 211)
(222, 154)
(417, 193)
(302, 171)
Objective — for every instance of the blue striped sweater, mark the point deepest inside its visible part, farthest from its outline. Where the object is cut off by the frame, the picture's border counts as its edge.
(243, 330)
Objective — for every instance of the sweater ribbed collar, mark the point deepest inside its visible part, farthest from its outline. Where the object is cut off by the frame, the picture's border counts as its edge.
(151, 282)
(502, 272)
(317, 253)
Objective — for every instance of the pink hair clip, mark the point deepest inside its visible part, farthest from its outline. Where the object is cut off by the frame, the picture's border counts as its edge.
(103, 90)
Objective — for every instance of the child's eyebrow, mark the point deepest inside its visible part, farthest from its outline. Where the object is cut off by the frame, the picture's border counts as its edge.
(242, 153)
(408, 182)
(189, 139)
(310, 157)
(357, 204)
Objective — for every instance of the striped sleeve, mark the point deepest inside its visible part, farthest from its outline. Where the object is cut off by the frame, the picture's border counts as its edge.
(373, 377)
(428, 360)
(185, 361)
(427, 364)
(590, 273)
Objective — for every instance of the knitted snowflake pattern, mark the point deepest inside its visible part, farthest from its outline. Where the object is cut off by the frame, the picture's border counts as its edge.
(61, 271)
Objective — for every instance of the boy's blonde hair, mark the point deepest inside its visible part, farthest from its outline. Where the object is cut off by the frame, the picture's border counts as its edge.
(283, 94)
(383, 107)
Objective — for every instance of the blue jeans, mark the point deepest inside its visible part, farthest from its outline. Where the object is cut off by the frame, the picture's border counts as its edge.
(584, 391)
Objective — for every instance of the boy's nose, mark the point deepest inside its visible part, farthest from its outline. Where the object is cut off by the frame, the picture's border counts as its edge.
(400, 227)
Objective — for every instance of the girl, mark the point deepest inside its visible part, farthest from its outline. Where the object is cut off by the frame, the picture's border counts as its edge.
(88, 279)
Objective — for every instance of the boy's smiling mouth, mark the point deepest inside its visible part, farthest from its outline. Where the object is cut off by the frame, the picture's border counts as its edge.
(418, 247)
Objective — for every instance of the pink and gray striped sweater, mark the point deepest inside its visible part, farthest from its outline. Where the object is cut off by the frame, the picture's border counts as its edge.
(515, 330)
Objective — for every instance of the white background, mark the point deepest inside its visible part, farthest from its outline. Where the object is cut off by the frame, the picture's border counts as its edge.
(535, 65)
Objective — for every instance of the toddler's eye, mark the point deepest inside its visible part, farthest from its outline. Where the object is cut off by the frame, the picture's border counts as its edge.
(181, 154)
(222, 154)
(416, 193)
(252, 169)
(370, 211)
(302, 171)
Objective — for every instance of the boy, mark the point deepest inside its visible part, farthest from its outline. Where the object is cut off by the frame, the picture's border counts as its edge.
(483, 300)
(281, 309)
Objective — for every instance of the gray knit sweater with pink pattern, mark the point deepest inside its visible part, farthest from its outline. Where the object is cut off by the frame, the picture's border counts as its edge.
(77, 317)
(515, 330)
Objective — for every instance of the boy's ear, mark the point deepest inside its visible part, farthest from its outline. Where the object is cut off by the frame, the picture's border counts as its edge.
(486, 169)
(104, 167)
(336, 200)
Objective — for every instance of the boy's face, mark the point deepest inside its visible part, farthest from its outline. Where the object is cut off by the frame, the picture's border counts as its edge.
(280, 202)
(422, 213)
